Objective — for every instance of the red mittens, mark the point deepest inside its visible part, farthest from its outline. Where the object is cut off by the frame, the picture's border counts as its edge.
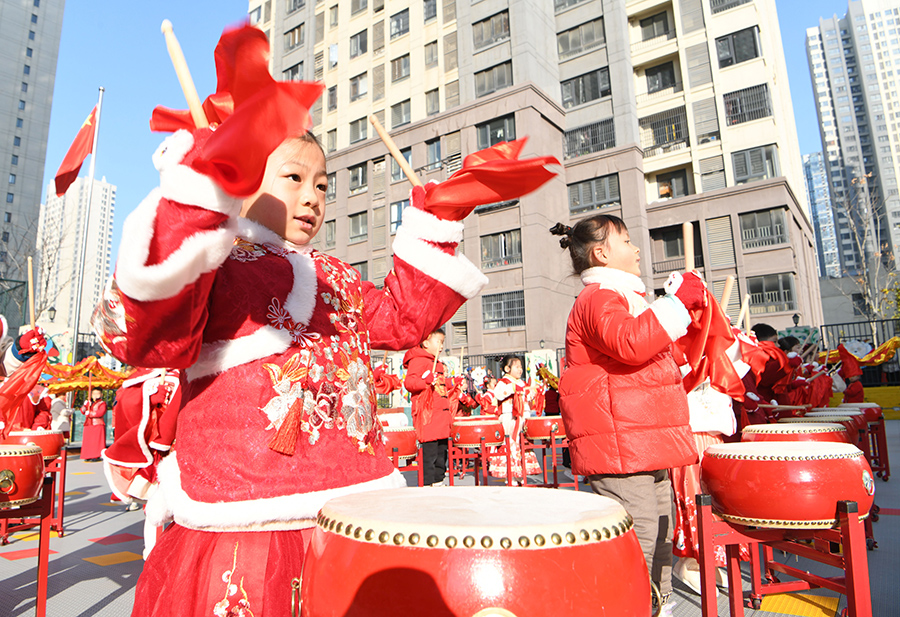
(689, 288)
(31, 342)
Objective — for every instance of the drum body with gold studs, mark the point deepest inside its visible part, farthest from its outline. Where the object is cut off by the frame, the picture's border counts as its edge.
(50, 442)
(21, 474)
(796, 431)
(468, 433)
(847, 422)
(786, 484)
(404, 439)
(872, 411)
(544, 427)
(856, 415)
(467, 551)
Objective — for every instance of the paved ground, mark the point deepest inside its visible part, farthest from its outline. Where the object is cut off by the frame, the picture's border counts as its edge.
(94, 567)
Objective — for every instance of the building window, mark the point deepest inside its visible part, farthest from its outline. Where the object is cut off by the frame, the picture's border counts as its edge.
(330, 237)
(773, 293)
(748, 104)
(660, 77)
(29, 52)
(432, 102)
(491, 30)
(460, 332)
(755, 164)
(27, 70)
(295, 5)
(358, 130)
(12, 178)
(501, 249)
(738, 47)
(397, 214)
(9, 200)
(357, 5)
(331, 192)
(357, 179)
(33, 18)
(672, 245)
(5, 236)
(396, 172)
(431, 54)
(859, 304)
(359, 87)
(15, 159)
(332, 98)
(764, 228)
(717, 6)
(663, 132)
(590, 138)
(493, 79)
(363, 269)
(21, 105)
(24, 87)
(673, 184)
(586, 88)
(430, 10)
(359, 43)
(295, 73)
(7, 216)
(581, 38)
(332, 56)
(31, 35)
(331, 140)
(593, 194)
(294, 38)
(654, 26)
(400, 23)
(503, 310)
(400, 68)
(496, 131)
(560, 5)
(400, 114)
(358, 226)
(433, 154)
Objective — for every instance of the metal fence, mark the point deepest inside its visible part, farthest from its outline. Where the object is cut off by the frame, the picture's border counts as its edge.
(874, 333)
(12, 300)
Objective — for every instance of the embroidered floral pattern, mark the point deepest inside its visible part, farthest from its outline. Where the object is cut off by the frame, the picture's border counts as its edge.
(246, 251)
(232, 604)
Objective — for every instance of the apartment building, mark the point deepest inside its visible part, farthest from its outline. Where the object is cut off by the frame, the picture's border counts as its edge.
(822, 214)
(29, 45)
(661, 111)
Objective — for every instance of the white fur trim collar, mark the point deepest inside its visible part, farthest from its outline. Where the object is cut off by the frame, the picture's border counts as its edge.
(258, 234)
(298, 510)
(613, 279)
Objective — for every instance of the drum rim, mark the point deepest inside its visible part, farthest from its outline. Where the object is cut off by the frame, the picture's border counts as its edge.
(786, 451)
(492, 422)
(17, 503)
(799, 427)
(819, 413)
(28, 433)
(802, 419)
(784, 523)
(397, 429)
(16, 449)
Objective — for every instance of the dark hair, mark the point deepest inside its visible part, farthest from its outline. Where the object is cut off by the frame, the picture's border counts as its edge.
(787, 343)
(586, 233)
(432, 333)
(765, 332)
(508, 359)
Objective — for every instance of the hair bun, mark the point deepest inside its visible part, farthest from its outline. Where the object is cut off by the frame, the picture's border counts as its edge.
(565, 242)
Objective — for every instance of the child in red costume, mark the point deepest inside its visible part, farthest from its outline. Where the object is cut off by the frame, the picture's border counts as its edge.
(515, 399)
(216, 276)
(93, 437)
(426, 381)
(622, 397)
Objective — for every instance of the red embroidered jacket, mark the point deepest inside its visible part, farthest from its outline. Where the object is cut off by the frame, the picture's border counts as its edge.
(271, 334)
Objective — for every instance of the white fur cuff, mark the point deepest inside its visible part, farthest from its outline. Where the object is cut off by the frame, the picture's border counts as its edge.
(426, 226)
(672, 315)
(454, 271)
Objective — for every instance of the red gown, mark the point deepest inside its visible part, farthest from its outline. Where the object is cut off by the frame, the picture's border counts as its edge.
(93, 437)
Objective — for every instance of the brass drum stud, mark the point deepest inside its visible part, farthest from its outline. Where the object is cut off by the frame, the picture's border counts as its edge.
(384, 537)
(398, 539)
(505, 542)
(556, 539)
(413, 538)
(487, 542)
(524, 541)
(432, 541)
(450, 542)
(468, 541)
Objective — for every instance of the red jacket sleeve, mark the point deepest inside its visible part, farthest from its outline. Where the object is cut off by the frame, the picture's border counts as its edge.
(415, 382)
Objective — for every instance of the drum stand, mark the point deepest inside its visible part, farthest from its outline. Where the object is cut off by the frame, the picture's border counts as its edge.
(42, 511)
(55, 470)
(853, 560)
(415, 463)
(479, 457)
(881, 466)
(555, 444)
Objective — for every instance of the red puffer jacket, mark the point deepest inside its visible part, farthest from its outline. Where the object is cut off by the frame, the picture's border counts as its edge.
(430, 410)
(622, 398)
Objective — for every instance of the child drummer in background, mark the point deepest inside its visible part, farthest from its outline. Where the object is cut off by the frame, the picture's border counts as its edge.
(514, 398)
(622, 397)
(217, 276)
(427, 384)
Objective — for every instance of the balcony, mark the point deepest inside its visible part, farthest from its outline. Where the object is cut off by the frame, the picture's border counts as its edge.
(771, 302)
(650, 97)
(590, 138)
(717, 6)
(655, 41)
(759, 237)
(664, 132)
(673, 265)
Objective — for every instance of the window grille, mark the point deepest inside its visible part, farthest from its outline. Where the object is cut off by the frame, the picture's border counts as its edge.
(590, 138)
(378, 36)
(706, 121)
(503, 310)
(451, 94)
(773, 293)
(449, 11)
(451, 60)
(717, 6)
(664, 132)
(748, 104)
(765, 228)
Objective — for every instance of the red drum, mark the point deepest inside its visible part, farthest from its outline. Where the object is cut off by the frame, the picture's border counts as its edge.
(467, 551)
(21, 474)
(849, 423)
(50, 442)
(544, 427)
(796, 432)
(858, 416)
(786, 484)
(872, 411)
(402, 438)
(468, 433)
(392, 418)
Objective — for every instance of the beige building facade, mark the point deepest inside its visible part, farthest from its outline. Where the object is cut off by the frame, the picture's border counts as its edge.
(660, 111)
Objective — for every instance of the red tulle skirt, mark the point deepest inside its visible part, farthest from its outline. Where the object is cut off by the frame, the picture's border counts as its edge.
(93, 440)
(232, 574)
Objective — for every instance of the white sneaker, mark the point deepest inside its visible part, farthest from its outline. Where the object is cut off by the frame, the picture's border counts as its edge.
(722, 579)
(687, 570)
(668, 609)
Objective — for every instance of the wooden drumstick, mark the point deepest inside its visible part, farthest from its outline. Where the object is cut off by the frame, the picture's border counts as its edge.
(768, 406)
(745, 308)
(184, 76)
(30, 292)
(726, 292)
(395, 152)
(687, 230)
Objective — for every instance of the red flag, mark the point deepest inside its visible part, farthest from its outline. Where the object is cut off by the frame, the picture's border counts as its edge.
(78, 151)
(14, 390)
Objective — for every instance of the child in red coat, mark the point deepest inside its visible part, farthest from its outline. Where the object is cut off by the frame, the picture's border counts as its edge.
(622, 397)
(427, 383)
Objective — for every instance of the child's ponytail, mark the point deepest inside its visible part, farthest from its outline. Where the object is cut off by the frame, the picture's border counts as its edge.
(581, 238)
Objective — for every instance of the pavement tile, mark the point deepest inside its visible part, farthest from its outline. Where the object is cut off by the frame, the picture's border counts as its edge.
(23, 554)
(116, 539)
(27, 536)
(113, 558)
(800, 605)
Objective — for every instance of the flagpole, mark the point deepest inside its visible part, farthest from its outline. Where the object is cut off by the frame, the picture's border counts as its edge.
(84, 230)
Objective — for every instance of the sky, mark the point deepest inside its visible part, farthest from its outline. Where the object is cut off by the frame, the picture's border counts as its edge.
(118, 45)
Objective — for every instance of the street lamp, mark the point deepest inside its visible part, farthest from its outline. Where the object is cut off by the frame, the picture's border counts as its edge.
(51, 313)
(796, 319)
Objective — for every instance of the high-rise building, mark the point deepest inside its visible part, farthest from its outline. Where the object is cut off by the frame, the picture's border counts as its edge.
(661, 112)
(29, 45)
(819, 197)
(852, 62)
(60, 248)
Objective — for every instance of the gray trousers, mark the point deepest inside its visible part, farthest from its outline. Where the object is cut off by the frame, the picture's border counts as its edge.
(648, 498)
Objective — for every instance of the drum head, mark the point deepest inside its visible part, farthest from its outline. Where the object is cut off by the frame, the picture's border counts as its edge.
(787, 428)
(783, 450)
